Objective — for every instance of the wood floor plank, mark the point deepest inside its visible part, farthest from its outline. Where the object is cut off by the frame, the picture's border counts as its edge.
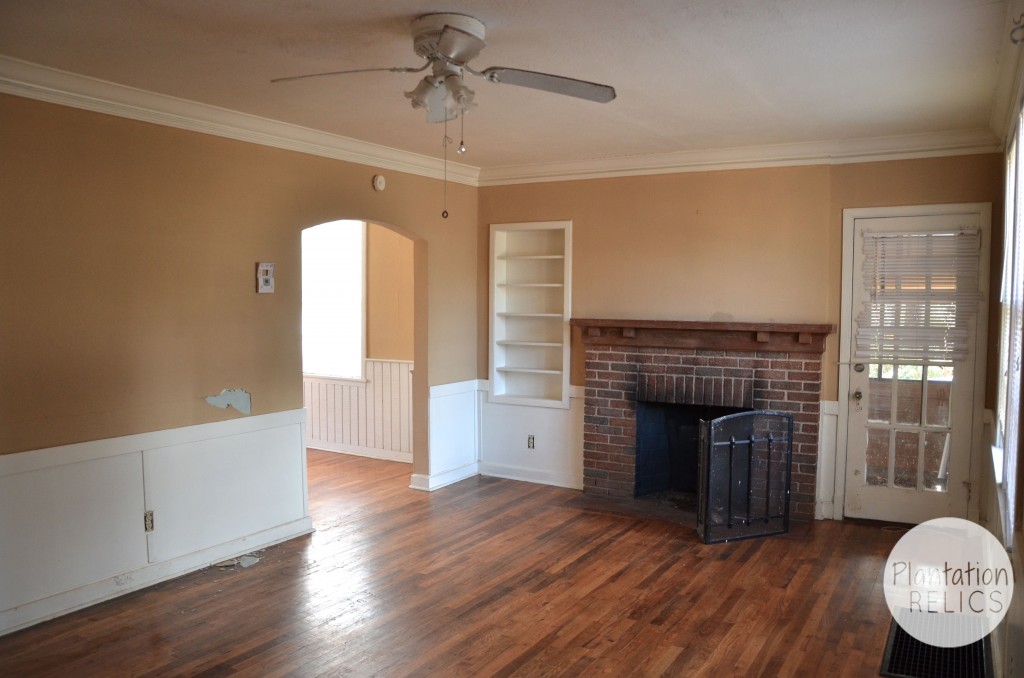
(489, 577)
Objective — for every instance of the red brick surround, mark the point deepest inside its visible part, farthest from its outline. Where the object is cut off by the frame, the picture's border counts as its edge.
(760, 366)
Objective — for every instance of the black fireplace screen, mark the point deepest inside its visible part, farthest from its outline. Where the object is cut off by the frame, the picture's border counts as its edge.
(745, 462)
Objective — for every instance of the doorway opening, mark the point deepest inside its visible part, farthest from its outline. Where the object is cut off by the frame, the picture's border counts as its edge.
(361, 338)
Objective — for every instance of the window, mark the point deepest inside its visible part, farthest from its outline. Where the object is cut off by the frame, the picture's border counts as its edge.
(333, 299)
(1011, 299)
(921, 290)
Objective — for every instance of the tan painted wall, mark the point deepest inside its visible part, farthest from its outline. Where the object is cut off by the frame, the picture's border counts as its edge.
(976, 178)
(389, 294)
(129, 248)
(128, 252)
(743, 245)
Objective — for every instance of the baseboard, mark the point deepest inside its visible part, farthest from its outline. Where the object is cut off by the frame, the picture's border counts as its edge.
(360, 451)
(41, 610)
(530, 475)
(429, 483)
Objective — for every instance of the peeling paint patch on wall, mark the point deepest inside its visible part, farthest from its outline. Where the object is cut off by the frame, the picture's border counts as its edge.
(237, 398)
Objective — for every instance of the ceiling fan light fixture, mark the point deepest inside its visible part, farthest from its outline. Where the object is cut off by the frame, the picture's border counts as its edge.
(443, 98)
(437, 107)
(447, 43)
(420, 96)
(459, 98)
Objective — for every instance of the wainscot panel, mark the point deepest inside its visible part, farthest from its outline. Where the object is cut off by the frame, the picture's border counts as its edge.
(72, 517)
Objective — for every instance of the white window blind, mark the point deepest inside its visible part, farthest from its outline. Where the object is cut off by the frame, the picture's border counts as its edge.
(920, 293)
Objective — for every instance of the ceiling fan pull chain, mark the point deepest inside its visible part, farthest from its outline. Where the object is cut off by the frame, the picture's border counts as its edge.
(444, 144)
(462, 134)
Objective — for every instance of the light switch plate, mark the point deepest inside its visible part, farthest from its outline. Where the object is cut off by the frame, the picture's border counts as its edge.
(265, 278)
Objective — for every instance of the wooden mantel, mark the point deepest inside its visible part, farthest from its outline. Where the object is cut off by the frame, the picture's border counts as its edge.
(800, 338)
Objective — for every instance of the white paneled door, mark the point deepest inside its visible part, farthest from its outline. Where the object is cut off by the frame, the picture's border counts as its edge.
(910, 372)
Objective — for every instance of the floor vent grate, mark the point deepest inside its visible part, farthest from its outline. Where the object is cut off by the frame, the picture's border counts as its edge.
(907, 657)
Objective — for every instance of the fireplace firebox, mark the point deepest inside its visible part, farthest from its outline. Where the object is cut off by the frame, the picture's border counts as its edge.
(668, 445)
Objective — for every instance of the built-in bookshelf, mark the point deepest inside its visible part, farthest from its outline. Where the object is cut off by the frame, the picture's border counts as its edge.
(531, 267)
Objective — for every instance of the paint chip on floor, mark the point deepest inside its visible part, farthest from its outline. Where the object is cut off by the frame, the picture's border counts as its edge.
(248, 560)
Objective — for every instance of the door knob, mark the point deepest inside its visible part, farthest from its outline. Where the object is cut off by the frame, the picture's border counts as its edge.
(858, 395)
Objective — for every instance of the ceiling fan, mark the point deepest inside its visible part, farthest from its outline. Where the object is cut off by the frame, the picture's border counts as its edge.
(448, 42)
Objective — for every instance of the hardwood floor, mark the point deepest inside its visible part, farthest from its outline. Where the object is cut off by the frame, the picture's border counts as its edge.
(489, 577)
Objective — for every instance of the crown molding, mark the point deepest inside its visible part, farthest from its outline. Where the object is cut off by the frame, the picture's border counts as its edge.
(33, 81)
(1006, 100)
(21, 78)
(877, 149)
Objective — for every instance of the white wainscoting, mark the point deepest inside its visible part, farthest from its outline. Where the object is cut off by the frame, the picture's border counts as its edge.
(371, 417)
(557, 456)
(825, 482)
(470, 436)
(71, 517)
(454, 434)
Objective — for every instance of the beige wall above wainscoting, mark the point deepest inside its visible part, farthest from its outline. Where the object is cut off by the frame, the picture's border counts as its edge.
(755, 245)
(389, 294)
(129, 253)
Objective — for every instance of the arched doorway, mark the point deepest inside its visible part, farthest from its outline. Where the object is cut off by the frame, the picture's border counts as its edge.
(373, 401)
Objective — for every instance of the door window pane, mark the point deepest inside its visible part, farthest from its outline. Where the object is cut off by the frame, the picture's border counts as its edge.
(909, 394)
(936, 453)
(880, 393)
(876, 458)
(905, 471)
(940, 384)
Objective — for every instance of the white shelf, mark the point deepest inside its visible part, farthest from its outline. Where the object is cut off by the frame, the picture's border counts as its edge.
(530, 303)
(513, 342)
(528, 370)
(529, 315)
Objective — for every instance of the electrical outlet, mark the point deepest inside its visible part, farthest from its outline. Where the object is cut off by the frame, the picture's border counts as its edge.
(529, 442)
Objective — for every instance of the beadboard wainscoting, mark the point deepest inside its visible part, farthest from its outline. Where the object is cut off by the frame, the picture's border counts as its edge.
(72, 523)
(370, 417)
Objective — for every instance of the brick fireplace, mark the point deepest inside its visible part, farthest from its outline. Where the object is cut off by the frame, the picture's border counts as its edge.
(761, 366)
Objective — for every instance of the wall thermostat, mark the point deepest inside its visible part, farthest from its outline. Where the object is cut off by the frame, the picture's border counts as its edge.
(379, 183)
(264, 278)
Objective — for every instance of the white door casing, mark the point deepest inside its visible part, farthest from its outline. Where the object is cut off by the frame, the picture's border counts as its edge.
(890, 496)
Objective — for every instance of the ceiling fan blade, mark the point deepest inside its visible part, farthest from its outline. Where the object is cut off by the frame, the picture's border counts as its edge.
(398, 69)
(557, 84)
(458, 45)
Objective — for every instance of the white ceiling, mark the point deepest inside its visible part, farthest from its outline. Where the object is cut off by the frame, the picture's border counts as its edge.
(691, 75)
